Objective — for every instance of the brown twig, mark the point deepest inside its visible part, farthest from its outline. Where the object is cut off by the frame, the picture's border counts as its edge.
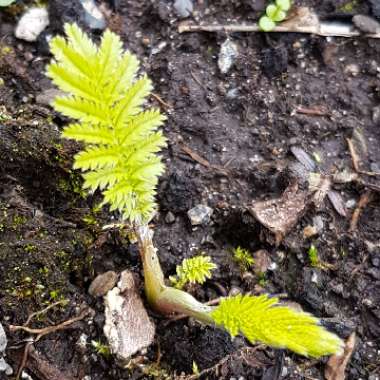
(160, 100)
(215, 367)
(197, 80)
(363, 202)
(197, 158)
(43, 311)
(312, 111)
(48, 330)
(43, 331)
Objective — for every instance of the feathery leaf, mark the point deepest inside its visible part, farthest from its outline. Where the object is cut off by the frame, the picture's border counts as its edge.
(260, 319)
(121, 139)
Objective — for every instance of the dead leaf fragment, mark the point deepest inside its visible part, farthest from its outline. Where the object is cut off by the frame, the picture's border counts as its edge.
(304, 158)
(338, 202)
(127, 326)
(336, 365)
(279, 215)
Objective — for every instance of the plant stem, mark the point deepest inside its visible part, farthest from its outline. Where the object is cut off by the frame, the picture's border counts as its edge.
(166, 299)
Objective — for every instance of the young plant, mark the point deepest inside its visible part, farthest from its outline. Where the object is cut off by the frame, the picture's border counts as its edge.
(274, 13)
(313, 256)
(194, 270)
(243, 257)
(101, 349)
(120, 158)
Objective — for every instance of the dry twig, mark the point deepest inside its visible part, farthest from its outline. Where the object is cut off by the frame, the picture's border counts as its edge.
(363, 202)
(43, 331)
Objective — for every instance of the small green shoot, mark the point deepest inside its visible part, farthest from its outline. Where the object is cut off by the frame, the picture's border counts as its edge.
(101, 349)
(244, 258)
(313, 256)
(193, 270)
(275, 12)
(195, 369)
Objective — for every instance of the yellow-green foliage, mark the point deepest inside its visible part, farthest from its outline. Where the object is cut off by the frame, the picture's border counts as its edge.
(260, 319)
(243, 257)
(313, 256)
(120, 139)
(194, 270)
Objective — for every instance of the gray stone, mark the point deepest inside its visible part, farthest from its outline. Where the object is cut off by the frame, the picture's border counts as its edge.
(200, 214)
(93, 17)
(352, 69)
(3, 339)
(376, 114)
(32, 23)
(227, 56)
(5, 367)
(183, 8)
(318, 223)
(102, 284)
(169, 218)
(375, 167)
(366, 24)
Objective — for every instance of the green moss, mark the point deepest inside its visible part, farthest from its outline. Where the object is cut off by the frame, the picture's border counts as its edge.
(349, 7)
(18, 220)
(30, 248)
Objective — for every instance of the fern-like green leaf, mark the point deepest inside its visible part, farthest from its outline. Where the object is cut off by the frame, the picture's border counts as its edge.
(121, 140)
(261, 319)
(92, 134)
(193, 270)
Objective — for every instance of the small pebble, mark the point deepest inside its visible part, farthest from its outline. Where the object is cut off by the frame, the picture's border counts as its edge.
(169, 218)
(352, 69)
(93, 17)
(102, 284)
(3, 339)
(227, 55)
(183, 8)
(200, 214)
(351, 203)
(366, 24)
(31, 24)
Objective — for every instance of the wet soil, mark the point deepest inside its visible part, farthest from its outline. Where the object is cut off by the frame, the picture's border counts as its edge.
(243, 124)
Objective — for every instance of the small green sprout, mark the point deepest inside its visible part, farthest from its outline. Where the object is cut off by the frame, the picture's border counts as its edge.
(313, 256)
(275, 12)
(195, 368)
(194, 270)
(243, 257)
(101, 349)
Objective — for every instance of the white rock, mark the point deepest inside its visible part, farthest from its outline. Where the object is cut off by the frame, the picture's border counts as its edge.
(5, 367)
(3, 339)
(184, 8)
(32, 23)
(227, 55)
(200, 214)
(93, 17)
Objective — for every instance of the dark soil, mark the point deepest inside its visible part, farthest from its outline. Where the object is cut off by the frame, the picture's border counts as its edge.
(244, 124)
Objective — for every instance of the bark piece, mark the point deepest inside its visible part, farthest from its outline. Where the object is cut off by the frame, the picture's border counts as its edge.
(337, 364)
(127, 327)
(280, 215)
